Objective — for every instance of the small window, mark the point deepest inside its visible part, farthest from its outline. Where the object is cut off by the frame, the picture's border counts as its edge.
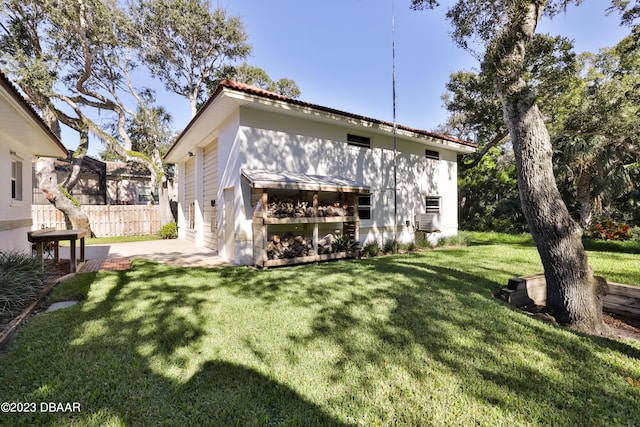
(358, 141)
(144, 195)
(16, 180)
(431, 154)
(433, 204)
(364, 206)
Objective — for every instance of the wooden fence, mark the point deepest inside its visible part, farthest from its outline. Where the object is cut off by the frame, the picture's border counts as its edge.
(105, 220)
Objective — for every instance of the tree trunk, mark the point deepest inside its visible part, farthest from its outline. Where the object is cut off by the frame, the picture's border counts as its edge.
(48, 184)
(574, 295)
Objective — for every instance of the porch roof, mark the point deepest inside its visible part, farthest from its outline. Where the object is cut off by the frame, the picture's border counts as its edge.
(259, 178)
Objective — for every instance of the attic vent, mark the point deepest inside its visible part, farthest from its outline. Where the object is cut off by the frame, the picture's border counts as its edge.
(358, 141)
(431, 154)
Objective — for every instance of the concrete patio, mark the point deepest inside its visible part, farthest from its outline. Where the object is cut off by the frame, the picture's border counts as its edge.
(170, 251)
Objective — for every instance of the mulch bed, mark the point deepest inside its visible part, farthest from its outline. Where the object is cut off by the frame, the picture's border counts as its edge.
(621, 326)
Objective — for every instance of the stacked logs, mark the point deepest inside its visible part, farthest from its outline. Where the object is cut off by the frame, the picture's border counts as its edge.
(290, 246)
(302, 209)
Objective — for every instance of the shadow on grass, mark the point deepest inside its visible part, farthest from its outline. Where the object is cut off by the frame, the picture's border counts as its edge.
(411, 340)
(495, 355)
(130, 360)
(611, 246)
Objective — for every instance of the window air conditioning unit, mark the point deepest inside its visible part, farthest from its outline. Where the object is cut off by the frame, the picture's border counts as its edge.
(428, 222)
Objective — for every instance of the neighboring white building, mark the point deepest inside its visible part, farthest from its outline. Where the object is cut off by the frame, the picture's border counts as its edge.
(23, 135)
(246, 142)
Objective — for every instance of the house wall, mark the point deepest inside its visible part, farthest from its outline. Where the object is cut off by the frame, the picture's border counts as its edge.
(210, 213)
(125, 190)
(232, 247)
(15, 216)
(257, 139)
(275, 142)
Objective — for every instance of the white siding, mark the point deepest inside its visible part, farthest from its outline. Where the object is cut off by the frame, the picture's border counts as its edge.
(278, 143)
(15, 216)
(210, 177)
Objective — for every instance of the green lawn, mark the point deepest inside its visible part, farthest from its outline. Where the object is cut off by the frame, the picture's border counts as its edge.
(109, 240)
(413, 339)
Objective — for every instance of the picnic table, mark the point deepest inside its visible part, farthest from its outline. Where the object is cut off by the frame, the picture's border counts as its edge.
(46, 235)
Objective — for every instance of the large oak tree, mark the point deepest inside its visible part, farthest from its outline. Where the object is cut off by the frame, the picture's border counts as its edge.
(503, 30)
(86, 64)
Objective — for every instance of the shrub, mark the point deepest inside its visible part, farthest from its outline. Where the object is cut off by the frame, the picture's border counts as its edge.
(343, 243)
(609, 229)
(390, 246)
(169, 231)
(371, 249)
(635, 234)
(21, 278)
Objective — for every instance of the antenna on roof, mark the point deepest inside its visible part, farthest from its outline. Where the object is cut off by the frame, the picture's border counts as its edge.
(395, 126)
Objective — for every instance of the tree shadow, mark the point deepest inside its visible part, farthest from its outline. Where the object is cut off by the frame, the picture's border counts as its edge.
(395, 327)
(132, 356)
(449, 315)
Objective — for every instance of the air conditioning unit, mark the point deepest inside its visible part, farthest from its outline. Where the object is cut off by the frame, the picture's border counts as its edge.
(428, 222)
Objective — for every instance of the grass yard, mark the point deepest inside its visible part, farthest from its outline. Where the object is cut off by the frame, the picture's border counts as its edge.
(413, 340)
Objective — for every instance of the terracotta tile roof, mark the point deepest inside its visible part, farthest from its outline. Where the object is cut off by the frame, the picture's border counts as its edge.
(271, 95)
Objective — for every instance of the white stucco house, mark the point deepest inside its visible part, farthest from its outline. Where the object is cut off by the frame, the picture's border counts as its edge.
(23, 135)
(250, 154)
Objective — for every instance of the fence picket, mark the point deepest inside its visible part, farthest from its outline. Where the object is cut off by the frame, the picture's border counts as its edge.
(105, 220)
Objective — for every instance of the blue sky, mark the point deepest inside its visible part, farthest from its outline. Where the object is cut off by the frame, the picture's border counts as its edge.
(339, 53)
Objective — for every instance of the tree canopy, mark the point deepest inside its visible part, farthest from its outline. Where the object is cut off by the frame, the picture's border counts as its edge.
(86, 64)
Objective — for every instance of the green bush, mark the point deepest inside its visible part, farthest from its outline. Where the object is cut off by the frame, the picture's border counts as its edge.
(21, 279)
(371, 249)
(390, 246)
(343, 243)
(635, 234)
(169, 231)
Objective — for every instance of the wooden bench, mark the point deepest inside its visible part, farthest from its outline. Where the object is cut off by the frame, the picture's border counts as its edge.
(46, 235)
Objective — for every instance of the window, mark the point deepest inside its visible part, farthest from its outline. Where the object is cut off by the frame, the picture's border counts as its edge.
(358, 141)
(431, 154)
(144, 195)
(16, 180)
(433, 204)
(364, 206)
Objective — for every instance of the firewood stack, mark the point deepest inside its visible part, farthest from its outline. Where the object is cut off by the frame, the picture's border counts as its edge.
(325, 245)
(289, 209)
(301, 209)
(290, 246)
